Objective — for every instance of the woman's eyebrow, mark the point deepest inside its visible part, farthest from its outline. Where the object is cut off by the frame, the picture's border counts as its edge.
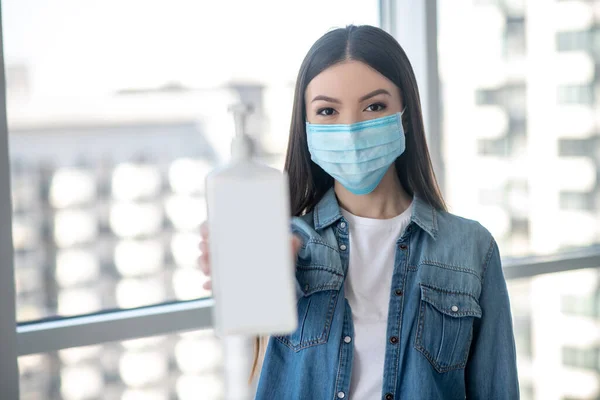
(363, 98)
(326, 98)
(373, 94)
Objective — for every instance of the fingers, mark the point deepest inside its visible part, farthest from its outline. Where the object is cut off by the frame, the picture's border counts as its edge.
(204, 265)
(296, 244)
(204, 231)
(203, 260)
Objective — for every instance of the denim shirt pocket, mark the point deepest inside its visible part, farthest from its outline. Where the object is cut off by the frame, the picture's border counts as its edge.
(320, 277)
(445, 327)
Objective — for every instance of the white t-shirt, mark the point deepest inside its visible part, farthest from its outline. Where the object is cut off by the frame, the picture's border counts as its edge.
(368, 286)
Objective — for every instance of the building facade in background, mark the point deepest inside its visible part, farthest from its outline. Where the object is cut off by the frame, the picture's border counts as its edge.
(521, 127)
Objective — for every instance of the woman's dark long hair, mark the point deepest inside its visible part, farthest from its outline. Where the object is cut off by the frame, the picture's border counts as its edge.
(379, 50)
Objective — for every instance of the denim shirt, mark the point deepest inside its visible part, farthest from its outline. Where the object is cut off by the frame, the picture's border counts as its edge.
(449, 328)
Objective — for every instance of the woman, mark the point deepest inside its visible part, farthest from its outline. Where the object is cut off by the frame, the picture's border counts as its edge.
(398, 299)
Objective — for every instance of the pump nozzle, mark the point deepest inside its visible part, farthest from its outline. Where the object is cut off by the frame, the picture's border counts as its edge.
(240, 112)
(241, 146)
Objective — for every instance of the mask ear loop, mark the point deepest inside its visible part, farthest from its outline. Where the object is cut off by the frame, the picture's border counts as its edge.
(401, 121)
(401, 117)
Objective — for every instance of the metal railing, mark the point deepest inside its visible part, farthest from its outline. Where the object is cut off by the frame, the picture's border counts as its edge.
(60, 333)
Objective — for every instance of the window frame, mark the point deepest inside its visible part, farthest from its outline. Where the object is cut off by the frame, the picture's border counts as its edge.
(9, 370)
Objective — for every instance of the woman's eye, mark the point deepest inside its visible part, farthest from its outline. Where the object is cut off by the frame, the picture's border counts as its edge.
(328, 111)
(376, 107)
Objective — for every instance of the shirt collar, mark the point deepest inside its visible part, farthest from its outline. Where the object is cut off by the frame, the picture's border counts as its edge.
(327, 212)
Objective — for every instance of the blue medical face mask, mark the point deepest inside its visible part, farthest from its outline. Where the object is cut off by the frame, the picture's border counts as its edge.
(357, 155)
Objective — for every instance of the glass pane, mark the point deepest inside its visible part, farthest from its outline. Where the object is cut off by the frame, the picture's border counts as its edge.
(521, 105)
(184, 366)
(117, 110)
(556, 320)
(521, 150)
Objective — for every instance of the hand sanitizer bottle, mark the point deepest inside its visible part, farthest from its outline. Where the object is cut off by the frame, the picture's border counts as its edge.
(250, 247)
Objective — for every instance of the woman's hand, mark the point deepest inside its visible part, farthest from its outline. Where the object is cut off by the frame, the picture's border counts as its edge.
(204, 259)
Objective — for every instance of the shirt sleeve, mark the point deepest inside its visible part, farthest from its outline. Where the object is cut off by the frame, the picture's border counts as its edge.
(491, 371)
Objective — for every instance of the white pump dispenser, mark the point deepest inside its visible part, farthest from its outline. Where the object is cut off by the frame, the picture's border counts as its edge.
(250, 248)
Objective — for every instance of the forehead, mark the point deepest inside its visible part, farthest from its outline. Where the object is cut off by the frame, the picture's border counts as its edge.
(347, 80)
